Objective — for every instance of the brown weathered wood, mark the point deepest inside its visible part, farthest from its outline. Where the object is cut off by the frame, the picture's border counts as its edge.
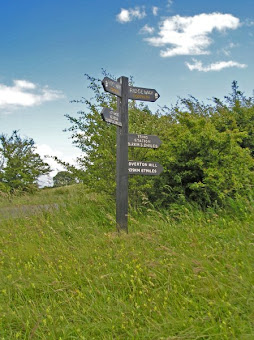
(122, 159)
(110, 116)
(111, 86)
(144, 94)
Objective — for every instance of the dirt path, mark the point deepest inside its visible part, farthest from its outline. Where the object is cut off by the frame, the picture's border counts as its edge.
(26, 210)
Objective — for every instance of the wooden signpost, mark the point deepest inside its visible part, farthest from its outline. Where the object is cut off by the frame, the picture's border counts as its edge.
(143, 141)
(111, 117)
(144, 168)
(112, 86)
(123, 91)
(140, 93)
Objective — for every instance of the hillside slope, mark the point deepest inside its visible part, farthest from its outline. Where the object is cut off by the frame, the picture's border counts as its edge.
(178, 274)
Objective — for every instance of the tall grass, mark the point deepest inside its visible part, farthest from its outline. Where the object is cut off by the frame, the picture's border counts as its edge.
(178, 274)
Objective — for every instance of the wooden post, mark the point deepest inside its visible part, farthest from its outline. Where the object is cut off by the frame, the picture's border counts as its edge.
(122, 159)
(123, 91)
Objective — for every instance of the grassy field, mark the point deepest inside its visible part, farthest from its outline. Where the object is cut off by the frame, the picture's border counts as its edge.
(178, 274)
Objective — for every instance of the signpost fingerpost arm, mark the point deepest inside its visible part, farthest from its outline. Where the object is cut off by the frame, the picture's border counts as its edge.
(122, 159)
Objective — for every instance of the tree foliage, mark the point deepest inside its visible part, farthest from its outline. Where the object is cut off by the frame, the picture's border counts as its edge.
(207, 150)
(203, 164)
(236, 114)
(20, 165)
(63, 178)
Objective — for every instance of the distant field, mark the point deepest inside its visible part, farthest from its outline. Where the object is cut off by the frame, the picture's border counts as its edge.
(179, 274)
(43, 196)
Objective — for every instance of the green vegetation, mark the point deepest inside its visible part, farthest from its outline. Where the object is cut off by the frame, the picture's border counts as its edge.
(206, 152)
(63, 178)
(185, 271)
(42, 196)
(181, 273)
(20, 165)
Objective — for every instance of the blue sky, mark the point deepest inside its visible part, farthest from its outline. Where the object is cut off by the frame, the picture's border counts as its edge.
(178, 47)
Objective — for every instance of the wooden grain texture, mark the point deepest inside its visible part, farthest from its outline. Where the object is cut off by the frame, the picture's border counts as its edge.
(122, 160)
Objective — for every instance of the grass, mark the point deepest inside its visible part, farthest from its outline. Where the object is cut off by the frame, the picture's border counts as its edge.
(178, 274)
(43, 196)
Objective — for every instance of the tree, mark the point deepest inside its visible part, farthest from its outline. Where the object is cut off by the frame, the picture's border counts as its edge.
(63, 178)
(20, 165)
(97, 141)
(236, 113)
(205, 152)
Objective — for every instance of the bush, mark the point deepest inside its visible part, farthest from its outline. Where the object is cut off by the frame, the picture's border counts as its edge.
(206, 152)
(203, 164)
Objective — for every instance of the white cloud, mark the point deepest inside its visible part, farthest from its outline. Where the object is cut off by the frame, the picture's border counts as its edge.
(227, 52)
(198, 65)
(127, 15)
(45, 151)
(24, 84)
(169, 3)
(248, 22)
(190, 35)
(25, 94)
(155, 10)
(147, 29)
(232, 45)
(227, 49)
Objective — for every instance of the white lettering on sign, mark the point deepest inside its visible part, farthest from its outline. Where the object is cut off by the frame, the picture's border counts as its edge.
(114, 115)
(143, 145)
(149, 171)
(137, 90)
(143, 136)
(152, 165)
(143, 141)
(133, 170)
(111, 117)
(144, 164)
(131, 163)
(113, 121)
(113, 84)
(144, 168)
(134, 144)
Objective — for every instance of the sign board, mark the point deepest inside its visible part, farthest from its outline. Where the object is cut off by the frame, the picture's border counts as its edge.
(144, 168)
(124, 167)
(109, 116)
(140, 93)
(143, 141)
(112, 86)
